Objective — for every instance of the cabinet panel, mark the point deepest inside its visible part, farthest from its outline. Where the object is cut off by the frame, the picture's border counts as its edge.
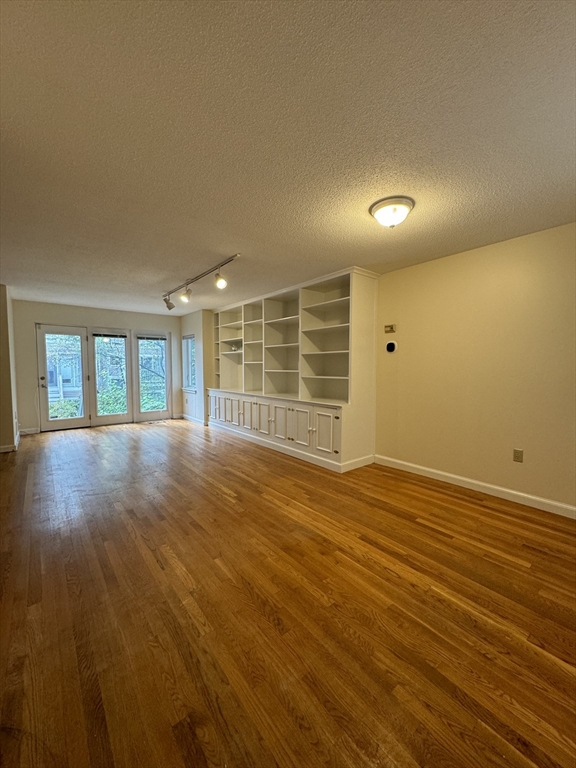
(247, 414)
(280, 416)
(213, 406)
(221, 412)
(302, 424)
(263, 417)
(235, 411)
(326, 431)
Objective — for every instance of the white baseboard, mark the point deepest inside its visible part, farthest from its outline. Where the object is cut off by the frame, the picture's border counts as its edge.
(319, 461)
(193, 418)
(547, 505)
(8, 448)
(346, 466)
(30, 431)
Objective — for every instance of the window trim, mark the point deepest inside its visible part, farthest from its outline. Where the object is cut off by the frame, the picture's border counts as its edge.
(193, 390)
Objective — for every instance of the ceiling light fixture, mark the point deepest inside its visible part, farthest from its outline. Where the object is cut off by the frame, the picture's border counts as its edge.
(185, 296)
(391, 211)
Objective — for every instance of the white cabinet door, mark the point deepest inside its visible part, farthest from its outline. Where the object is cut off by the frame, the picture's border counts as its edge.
(221, 412)
(213, 406)
(280, 421)
(251, 416)
(302, 416)
(263, 417)
(235, 411)
(327, 431)
(248, 413)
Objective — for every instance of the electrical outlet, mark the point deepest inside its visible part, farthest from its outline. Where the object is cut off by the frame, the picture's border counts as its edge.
(186, 401)
(518, 455)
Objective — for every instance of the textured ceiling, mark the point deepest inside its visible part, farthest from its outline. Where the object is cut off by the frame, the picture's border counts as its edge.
(143, 142)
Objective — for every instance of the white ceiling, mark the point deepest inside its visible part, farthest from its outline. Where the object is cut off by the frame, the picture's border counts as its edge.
(143, 142)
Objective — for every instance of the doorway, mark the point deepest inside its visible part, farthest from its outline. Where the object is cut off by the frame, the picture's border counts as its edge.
(97, 376)
(63, 375)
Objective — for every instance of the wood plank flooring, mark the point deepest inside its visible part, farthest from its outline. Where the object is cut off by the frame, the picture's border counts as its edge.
(173, 596)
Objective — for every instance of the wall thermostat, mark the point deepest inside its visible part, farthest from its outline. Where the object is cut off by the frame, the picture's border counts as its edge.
(391, 346)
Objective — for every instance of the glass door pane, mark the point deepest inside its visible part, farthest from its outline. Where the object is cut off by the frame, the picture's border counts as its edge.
(111, 385)
(65, 379)
(152, 375)
(62, 366)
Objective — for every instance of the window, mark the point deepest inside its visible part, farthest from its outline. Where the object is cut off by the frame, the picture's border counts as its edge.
(189, 362)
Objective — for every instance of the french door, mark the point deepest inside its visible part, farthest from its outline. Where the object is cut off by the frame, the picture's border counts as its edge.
(151, 361)
(111, 391)
(92, 377)
(63, 377)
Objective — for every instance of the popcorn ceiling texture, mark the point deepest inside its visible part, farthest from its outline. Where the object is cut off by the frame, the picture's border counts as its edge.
(145, 141)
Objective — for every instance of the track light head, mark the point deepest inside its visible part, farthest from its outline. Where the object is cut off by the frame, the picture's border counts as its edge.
(168, 303)
(220, 281)
(185, 297)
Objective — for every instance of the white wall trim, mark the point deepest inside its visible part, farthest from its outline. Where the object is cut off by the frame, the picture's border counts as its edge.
(363, 461)
(30, 431)
(192, 418)
(17, 441)
(547, 505)
(8, 448)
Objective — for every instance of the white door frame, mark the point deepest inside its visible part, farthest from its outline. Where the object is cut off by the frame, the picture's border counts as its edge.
(47, 424)
(122, 418)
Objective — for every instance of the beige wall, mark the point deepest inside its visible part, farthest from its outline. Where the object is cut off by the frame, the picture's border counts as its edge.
(8, 412)
(201, 325)
(485, 364)
(27, 313)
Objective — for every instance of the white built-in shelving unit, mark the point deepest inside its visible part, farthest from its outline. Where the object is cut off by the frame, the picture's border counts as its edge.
(312, 344)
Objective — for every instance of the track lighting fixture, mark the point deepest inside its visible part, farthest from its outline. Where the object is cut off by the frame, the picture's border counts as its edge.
(220, 282)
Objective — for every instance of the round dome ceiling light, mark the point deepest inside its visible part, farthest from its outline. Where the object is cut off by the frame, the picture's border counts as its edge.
(391, 211)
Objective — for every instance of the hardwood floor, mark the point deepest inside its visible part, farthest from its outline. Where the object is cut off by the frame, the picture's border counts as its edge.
(174, 596)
